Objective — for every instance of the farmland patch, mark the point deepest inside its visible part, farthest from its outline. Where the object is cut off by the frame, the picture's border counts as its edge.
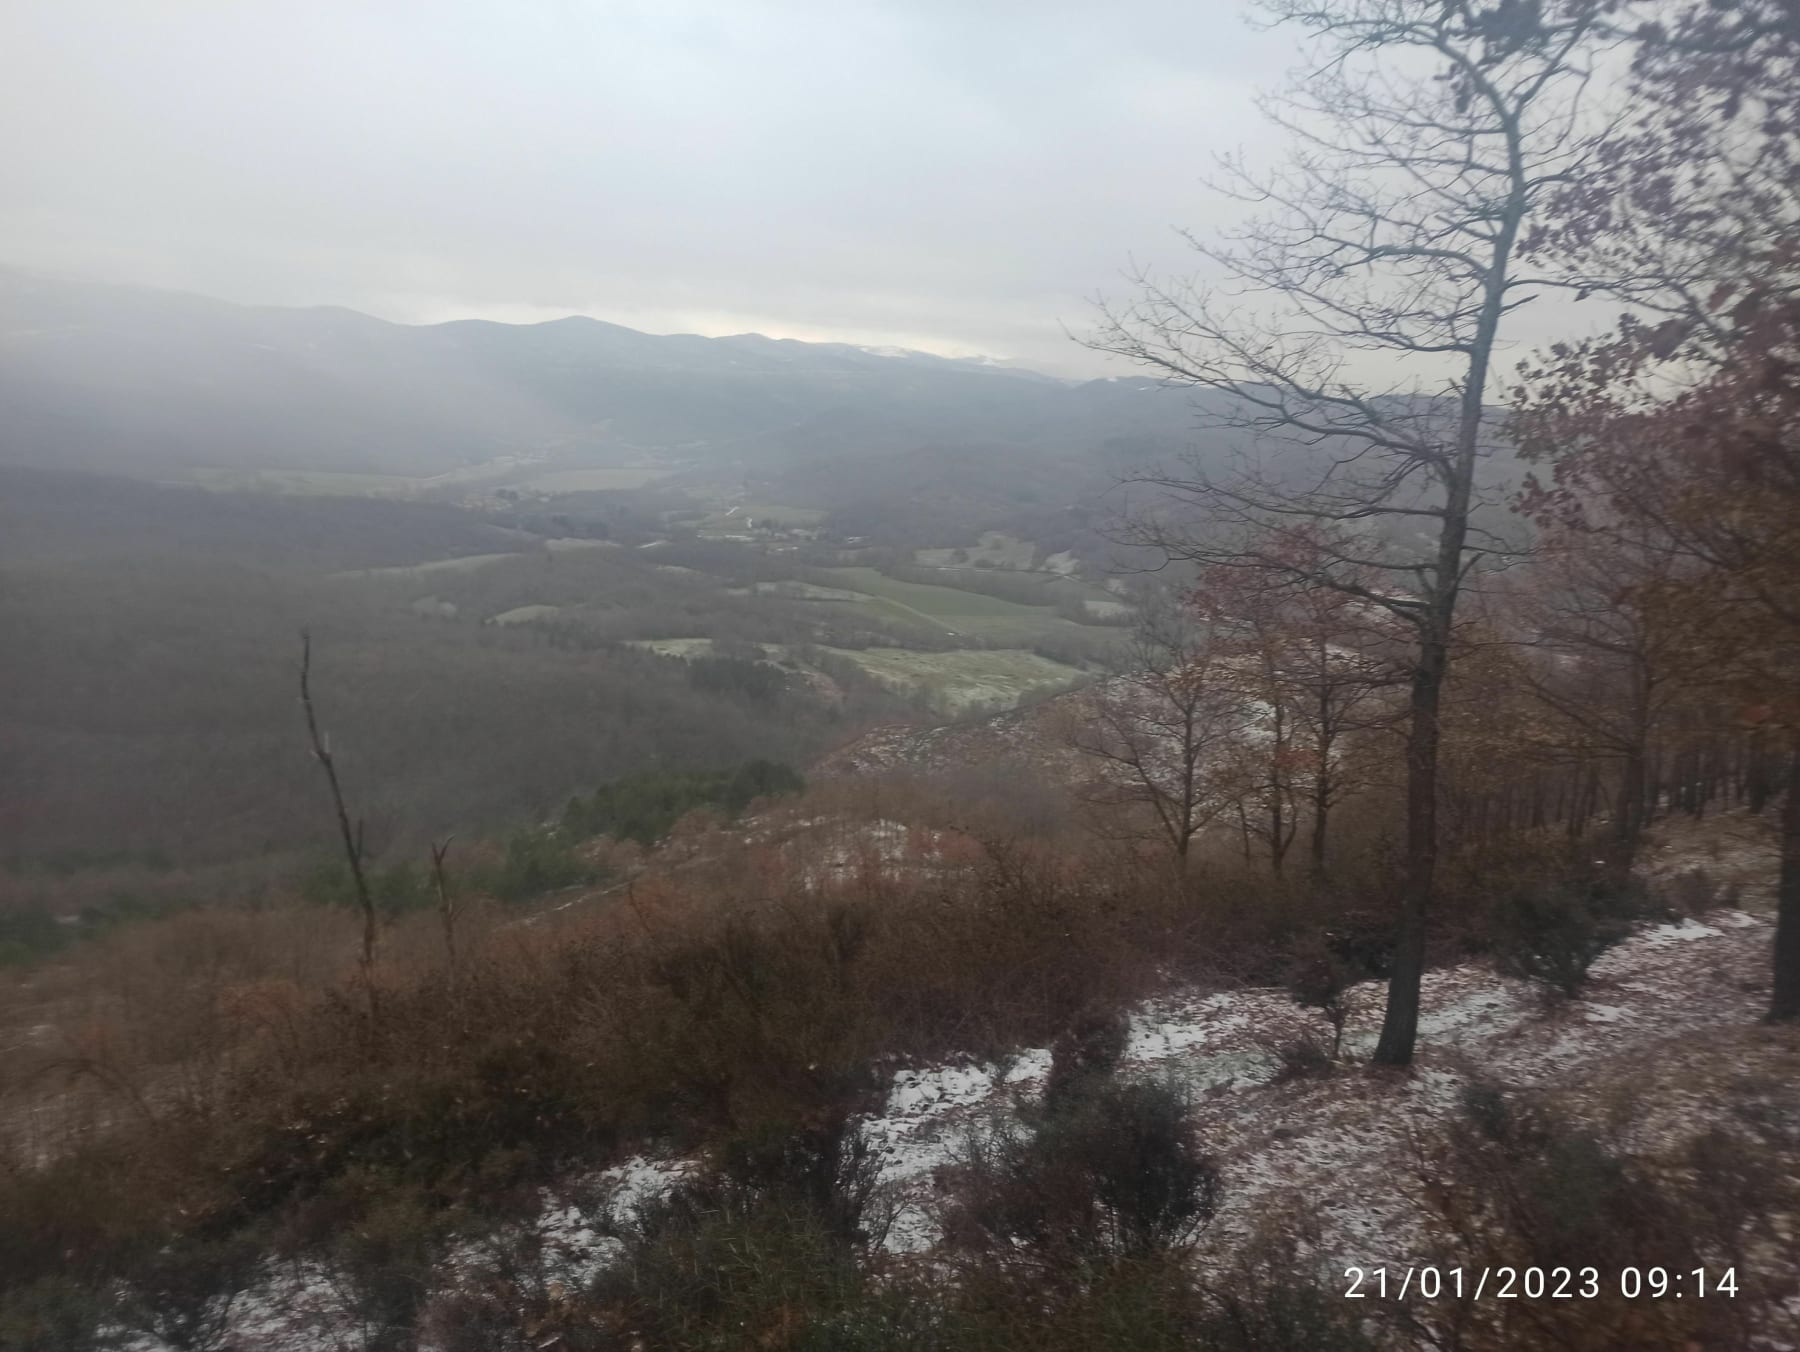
(964, 680)
(673, 647)
(947, 610)
(995, 548)
(597, 478)
(525, 614)
(464, 563)
(807, 591)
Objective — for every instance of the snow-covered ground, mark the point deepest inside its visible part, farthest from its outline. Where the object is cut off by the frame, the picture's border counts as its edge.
(1332, 1145)
(1335, 1146)
(1662, 1007)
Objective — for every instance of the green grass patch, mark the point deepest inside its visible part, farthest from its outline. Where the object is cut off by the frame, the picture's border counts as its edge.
(673, 647)
(948, 610)
(995, 548)
(942, 608)
(464, 563)
(596, 479)
(775, 514)
(526, 614)
(303, 482)
(966, 679)
(806, 591)
(571, 543)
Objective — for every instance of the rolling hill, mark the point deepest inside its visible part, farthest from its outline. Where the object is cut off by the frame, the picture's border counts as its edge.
(125, 379)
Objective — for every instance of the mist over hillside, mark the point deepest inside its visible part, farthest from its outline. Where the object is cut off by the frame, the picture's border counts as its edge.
(538, 817)
(148, 382)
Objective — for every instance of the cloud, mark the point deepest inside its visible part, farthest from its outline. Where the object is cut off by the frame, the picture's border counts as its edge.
(955, 176)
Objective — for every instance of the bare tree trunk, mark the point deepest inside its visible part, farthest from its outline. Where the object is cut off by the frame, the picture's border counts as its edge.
(1277, 794)
(1321, 822)
(446, 908)
(1400, 1022)
(1784, 1005)
(352, 837)
(1758, 787)
(1628, 816)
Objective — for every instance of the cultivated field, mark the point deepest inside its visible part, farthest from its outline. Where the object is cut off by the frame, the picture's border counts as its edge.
(465, 563)
(525, 614)
(301, 482)
(807, 591)
(996, 548)
(596, 479)
(569, 544)
(949, 610)
(966, 679)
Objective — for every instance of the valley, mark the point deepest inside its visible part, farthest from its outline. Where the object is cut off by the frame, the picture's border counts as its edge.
(566, 594)
(733, 679)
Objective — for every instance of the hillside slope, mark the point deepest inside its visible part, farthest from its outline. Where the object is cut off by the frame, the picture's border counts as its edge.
(1034, 739)
(1340, 1171)
(128, 379)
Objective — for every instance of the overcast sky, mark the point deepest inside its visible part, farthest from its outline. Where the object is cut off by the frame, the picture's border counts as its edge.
(955, 175)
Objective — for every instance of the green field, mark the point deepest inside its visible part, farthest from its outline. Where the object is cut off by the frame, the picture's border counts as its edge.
(995, 549)
(962, 681)
(463, 563)
(596, 479)
(745, 517)
(806, 591)
(775, 514)
(965, 679)
(933, 602)
(302, 482)
(525, 614)
(949, 610)
(673, 647)
(335, 483)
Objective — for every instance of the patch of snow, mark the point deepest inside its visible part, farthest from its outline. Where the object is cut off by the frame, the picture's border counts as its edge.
(1680, 932)
(1029, 1067)
(1338, 1151)
(944, 1087)
(628, 1187)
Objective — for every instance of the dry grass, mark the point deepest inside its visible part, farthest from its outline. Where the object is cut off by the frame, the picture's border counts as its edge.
(191, 1080)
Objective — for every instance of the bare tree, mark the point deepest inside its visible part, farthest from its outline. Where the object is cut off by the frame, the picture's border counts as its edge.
(1611, 653)
(1684, 424)
(1354, 338)
(1321, 666)
(1167, 731)
(440, 850)
(350, 835)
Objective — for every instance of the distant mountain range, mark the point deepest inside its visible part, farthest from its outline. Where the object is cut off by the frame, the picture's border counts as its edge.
(132, 380)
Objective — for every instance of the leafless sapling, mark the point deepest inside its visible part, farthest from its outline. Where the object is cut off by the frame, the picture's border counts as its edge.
(351, 835)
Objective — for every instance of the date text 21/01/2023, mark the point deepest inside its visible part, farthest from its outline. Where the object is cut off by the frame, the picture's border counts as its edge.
(1537, 1283)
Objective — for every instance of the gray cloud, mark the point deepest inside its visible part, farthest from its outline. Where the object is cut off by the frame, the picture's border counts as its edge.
(955, 176)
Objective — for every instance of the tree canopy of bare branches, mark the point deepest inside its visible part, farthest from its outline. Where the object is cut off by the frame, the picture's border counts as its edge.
(1682, 427)
(1349, 341)
(1165, 733)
